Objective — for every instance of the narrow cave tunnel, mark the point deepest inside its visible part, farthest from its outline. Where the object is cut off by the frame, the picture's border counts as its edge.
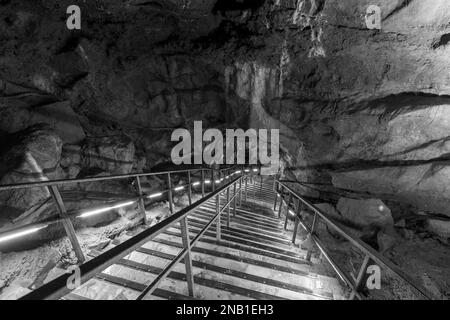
(224, 149)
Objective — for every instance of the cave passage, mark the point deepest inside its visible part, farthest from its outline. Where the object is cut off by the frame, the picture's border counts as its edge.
(224, 150)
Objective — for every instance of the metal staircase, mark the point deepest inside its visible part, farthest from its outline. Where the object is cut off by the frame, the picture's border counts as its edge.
(237, 242)
(254, 259)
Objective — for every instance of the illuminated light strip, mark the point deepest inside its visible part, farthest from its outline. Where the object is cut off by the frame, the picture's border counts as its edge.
(247, 170)
(94, 212)
(255, 170)
(156, 195)
(178, 188)
(21, 233)
(196, 183)
(227, 177)
(207, 181)
(217, 181)
(237, 172)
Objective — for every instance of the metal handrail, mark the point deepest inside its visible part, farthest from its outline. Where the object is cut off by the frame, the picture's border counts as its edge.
(369, 252)
(48, 183)
(65, 216)
(57, 288)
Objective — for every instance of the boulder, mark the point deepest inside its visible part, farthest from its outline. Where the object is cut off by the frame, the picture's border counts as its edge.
(61, 117)
(58, 116)
(113, 154)
(33, 155)
(440, 228)
(372, 213)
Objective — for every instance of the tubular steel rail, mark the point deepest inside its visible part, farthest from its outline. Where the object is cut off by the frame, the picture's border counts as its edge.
(66, 217)
(370, 254)
(58, 287)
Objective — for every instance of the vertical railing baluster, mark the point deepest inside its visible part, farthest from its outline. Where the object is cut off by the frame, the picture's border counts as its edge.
(281, 201)
(188, 256)
(310, 236)
(203, 182)
(246, 187)
(169, 183)
(261, 186)
(360, 278)
(218, 221)
(234, 199)
(276, 198)
(228, 209)
(141, 200)
(213, 181)
(190, 188)
(67, 223)
(240, 191)
(287, 210)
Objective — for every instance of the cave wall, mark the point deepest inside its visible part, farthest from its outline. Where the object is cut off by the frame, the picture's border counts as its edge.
(360, 111)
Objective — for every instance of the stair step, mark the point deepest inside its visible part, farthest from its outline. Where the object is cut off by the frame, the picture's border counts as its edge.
(237, 223)
(239, 240)
(140, 271)
(202, 219)
(170, 239)
(222, 252)
(217, 279)
(257, 219)
(306, 284)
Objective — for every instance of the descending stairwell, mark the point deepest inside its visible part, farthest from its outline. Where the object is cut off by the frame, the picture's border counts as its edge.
(254, 259)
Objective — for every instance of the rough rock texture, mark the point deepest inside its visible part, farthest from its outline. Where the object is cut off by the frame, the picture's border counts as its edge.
(366, 213)
(29, 155)
(362, 114)
(111, 154)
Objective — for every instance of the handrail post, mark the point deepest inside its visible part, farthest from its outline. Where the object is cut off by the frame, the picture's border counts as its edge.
(281, 201)
(141, 201)
(67, 223)
(218, 222)
(228, 209)
(169, 183)
(287, 211)
(203, 182)
(360, 278)
(240, 191)
(246, 187)
(276, 198)
(190, 188)
(294, 234)
(261, 184)
(188, 257)
(310, 236)
(234, 200)
(213, 181)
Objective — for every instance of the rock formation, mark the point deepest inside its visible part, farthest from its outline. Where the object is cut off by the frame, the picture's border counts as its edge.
(362, 113)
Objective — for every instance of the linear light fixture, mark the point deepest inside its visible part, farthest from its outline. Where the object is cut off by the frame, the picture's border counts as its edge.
(155, 195)
(98, 211)
(247, 170)
(207, 181)
(217, 181)
(255, 170)
(237, 172)
(21, 233)
(178, 188)
(196, 183)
